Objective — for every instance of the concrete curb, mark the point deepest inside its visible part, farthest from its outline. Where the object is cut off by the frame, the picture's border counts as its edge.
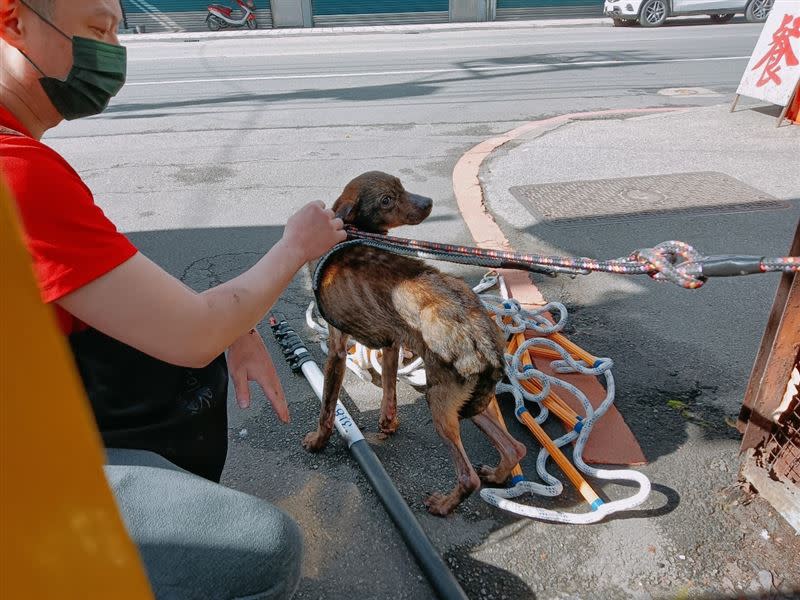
(314, 31)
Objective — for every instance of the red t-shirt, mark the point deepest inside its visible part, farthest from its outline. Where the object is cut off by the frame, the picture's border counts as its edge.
(69, 238)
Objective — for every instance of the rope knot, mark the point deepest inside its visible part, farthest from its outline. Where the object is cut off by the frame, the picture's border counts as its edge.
(673, 261)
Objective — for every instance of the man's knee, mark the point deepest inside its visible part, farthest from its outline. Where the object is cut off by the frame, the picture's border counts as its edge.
(202, 540)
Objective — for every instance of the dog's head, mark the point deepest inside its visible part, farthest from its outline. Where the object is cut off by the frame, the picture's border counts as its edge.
(376, 202)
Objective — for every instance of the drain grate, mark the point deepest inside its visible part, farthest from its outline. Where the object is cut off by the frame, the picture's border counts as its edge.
(703, 193)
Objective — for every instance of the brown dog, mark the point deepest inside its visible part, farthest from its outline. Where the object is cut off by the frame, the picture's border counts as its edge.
(384, 300)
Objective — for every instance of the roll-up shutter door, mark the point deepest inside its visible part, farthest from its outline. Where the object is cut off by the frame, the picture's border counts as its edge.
(510, 10)
(379, 12)
(182, 15)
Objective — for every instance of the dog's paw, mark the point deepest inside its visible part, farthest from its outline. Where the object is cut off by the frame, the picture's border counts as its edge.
(489, 475)
(314, 441)
(438, 505)
(388, 426)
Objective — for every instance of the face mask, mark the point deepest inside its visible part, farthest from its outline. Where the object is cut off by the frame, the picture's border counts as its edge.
(97, 74)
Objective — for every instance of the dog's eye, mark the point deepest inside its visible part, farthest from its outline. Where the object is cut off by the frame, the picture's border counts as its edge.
(386, 201)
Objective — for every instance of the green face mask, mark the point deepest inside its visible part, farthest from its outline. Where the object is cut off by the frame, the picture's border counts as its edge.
(97, 75)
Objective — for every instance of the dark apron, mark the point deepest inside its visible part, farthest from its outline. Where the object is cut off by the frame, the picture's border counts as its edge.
(143, 403)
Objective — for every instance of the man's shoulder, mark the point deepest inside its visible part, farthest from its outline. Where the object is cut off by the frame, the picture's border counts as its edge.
(30, 152)
(28, 164)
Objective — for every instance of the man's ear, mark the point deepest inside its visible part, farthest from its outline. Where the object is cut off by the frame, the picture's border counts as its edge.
(346, 204)
(11, 28)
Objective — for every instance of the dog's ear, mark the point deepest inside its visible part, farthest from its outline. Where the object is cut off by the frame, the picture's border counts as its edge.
(345, 205)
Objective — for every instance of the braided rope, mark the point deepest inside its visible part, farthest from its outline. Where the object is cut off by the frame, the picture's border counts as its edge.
(504, 310)
(673, 261)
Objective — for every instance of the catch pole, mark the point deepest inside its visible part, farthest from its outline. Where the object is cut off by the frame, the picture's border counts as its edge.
(439, 575)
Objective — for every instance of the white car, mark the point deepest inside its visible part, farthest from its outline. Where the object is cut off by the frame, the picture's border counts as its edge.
(652, 13)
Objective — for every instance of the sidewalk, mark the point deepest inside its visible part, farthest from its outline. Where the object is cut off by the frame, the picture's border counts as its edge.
(413, 28)
(603, 187)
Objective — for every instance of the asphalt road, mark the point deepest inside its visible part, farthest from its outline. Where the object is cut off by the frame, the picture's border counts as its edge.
(213, 144)
(279, 121)
(462, 77)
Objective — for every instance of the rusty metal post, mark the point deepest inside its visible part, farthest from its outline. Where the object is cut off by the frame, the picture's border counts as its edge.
(775, 360)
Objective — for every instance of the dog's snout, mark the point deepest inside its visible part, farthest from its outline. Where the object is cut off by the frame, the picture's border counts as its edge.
(421, 202)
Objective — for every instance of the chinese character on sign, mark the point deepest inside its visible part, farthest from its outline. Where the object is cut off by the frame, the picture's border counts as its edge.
(780, 48)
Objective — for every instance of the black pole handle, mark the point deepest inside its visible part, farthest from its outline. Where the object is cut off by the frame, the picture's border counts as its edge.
(428, 558)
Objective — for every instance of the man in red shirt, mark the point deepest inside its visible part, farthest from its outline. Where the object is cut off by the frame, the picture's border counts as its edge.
(150, 351)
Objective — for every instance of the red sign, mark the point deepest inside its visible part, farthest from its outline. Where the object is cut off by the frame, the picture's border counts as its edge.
(774, 68)
(780, 51)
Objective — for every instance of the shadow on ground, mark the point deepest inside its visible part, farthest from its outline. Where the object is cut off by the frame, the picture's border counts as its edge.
(344, 524)
(679, 355)
(345, 527)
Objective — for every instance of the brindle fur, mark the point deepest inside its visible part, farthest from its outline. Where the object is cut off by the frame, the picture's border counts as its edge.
(385, 301)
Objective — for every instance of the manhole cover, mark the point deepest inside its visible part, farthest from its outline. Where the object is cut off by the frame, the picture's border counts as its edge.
(641, 197)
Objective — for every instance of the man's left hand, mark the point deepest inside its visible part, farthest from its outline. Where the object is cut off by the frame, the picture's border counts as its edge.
(248, 360)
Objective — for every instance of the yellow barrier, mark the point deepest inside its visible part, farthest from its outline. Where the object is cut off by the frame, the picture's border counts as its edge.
(62, 536)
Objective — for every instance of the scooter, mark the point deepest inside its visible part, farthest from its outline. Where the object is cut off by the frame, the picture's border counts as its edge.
(220, 16)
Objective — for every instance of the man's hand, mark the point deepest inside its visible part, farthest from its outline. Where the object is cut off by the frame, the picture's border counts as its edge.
(248, 360)
(312, 231)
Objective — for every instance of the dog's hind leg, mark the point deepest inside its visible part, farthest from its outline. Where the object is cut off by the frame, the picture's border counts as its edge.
(445, 402)
(388, 421)
(335, 367)
(510, 450)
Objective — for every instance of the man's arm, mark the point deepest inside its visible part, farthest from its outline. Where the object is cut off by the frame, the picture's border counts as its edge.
(138, 303)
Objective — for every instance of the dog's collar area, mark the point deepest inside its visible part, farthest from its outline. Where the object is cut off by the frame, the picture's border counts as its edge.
(318, 272)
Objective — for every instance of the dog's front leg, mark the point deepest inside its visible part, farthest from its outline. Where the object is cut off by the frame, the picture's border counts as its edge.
(388, 421)
(335, 367)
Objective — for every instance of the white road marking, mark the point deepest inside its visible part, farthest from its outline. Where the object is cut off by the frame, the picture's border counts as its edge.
(401, 49)
(373, 74)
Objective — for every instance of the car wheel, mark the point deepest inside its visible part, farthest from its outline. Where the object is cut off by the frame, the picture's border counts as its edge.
(757, 11)
(722, 18)
(653, 13)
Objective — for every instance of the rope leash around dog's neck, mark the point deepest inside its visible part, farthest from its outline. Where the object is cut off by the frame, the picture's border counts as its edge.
(673, 261)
